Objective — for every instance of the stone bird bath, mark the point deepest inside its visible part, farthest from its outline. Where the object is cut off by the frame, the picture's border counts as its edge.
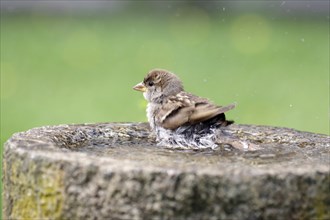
(116, 171)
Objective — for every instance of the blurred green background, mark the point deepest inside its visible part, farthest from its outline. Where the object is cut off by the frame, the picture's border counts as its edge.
(76, 63)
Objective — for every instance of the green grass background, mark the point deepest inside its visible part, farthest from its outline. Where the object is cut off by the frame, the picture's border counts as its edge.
(75, 69)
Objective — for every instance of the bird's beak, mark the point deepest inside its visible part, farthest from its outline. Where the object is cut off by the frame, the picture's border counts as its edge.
(140, 87)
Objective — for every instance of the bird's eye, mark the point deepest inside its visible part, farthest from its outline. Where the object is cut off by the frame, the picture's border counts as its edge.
(150, 83)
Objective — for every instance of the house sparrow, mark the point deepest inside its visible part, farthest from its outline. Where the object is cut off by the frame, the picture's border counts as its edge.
(177, 117)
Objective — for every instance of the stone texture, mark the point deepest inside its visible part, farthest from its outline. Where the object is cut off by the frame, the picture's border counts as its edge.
(115, 171)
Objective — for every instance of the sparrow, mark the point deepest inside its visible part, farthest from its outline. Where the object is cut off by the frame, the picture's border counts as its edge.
(179, 118)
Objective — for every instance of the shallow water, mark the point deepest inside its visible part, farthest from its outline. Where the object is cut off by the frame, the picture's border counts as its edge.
(151, 154)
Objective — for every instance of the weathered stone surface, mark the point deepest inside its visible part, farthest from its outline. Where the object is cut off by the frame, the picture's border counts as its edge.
(103, 171)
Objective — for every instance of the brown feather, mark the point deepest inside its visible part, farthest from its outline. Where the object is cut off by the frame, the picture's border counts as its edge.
(177, 118)
(203, 113)
(185, 108)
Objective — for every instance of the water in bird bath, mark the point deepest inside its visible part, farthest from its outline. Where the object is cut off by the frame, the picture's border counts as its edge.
(160, 156)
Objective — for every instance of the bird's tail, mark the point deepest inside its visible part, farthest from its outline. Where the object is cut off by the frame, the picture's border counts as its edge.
(223, 122)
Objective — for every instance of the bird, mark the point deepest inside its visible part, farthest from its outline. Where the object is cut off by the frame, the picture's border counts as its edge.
(180, 118)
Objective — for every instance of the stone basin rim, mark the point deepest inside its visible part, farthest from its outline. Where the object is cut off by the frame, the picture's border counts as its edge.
(104, 162)
(147, 124)
(110, 164)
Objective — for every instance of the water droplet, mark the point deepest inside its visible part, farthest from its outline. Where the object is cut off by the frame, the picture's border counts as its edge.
(302, 39)
(290, 105)
(204, 80)
(223, 9)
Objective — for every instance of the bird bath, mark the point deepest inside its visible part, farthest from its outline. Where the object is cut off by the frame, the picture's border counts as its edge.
(115, 170)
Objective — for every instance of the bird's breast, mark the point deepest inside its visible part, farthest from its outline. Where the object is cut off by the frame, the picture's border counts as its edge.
(152, 109)
(145, 95)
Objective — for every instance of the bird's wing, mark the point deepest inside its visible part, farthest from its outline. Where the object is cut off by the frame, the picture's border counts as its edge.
(175, 111)
(206, 111)
(186, 108)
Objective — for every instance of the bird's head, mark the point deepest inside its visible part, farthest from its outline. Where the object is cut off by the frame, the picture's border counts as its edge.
(159, 84)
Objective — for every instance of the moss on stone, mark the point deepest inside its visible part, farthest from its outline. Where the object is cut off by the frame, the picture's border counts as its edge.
(36, 192)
